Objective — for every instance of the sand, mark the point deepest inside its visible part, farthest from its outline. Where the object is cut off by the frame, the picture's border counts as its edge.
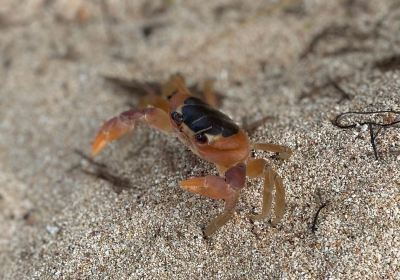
(301, 63)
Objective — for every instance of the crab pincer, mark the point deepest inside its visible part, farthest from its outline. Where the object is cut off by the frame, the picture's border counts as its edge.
(120, 125)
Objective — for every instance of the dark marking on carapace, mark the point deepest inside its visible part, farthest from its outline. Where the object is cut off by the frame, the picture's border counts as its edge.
(201, 117)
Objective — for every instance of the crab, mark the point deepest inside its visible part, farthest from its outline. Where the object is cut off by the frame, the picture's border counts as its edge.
(214, 137)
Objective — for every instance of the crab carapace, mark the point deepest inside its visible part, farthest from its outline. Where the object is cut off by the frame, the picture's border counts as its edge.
(214, 137)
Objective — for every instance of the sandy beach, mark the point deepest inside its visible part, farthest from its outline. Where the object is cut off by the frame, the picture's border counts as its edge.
(298, 64)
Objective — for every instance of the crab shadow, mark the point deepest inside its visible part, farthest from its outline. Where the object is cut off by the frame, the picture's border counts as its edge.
(101, 171)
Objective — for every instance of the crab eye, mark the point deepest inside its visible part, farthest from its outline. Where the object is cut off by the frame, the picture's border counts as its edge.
(201, 138)
(177, 117)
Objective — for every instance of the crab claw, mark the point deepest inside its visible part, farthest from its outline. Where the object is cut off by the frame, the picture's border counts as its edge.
(111, 130)
(118, 126)
(115, 128)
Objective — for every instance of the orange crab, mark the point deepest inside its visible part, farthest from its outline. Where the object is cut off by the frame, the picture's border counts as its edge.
(214, 137)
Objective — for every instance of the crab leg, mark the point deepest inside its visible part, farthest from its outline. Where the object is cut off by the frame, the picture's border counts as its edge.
(283, 151)
(118, 126)
(167, 90)
(154, 101)
(226, 188)
(257, 168)
(209, 93)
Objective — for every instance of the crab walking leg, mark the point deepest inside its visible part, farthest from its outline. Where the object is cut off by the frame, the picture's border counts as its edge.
(118, 126)
(216, 187)
(283, 151)
(209, 93)
(224, 217)
(173, 84)
(154, 101)
(279, 207)
(257, 168)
